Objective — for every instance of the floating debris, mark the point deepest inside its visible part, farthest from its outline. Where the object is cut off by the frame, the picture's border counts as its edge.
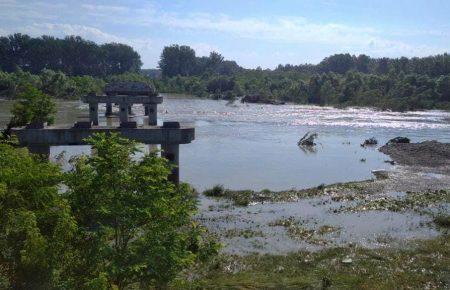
(347, 260)
(308, 139)
(369, 142)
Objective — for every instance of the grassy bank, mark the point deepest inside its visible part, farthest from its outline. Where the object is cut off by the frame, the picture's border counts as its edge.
(419, 265)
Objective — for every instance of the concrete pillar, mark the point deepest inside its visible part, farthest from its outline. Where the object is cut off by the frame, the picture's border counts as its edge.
(145, 109)
(152, 148)
(93, 113)
(152, 114)
(172, 153)
(123, 112)
(130, 112)
(41, 149)
(108, 109)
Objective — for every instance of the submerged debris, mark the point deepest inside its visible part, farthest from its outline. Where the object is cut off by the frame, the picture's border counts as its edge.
(442, 220)
(417, 201)
(369, 142)
(296, 231)
(308, 139)
(380, 174)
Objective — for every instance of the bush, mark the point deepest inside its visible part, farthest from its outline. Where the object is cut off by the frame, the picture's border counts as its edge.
(135, 225)
(118, 224)
(217, 191)
(33, 106)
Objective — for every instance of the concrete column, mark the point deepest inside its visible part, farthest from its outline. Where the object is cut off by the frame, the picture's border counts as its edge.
(172, 153)
(41, 149)
(123, 112)
(146, 109)
(108, 109)
(152, 147)
(93, 113)
(152, 114)
(130, 112)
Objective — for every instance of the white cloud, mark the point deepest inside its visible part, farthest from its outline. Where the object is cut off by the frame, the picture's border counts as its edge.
(57, 29)
(298, 30)
(105, 8)
(92, 21)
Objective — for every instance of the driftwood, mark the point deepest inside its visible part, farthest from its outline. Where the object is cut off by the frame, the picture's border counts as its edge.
(307, 139)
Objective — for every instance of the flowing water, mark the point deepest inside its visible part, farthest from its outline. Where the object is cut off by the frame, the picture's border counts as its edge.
(254, 146)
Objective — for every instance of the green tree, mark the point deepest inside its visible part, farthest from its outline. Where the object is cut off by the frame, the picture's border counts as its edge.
(177, 60)
(135, 225)
(36, 225)
(33, 106)
(443, 87)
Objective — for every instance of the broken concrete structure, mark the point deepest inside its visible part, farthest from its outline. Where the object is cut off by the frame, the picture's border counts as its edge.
(170, 135)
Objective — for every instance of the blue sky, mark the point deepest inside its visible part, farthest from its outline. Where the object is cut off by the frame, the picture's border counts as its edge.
(254, 33)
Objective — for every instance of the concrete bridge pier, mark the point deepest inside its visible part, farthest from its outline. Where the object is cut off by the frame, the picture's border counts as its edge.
(123, 112)
(93, 113)
(108, 109)
(172, 153)
(152, 111)
(145, 110)
(41, 149)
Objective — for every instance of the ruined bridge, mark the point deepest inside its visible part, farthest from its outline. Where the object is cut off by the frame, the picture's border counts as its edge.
(38, 138)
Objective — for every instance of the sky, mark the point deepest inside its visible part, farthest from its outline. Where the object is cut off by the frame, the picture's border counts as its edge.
(253, 33)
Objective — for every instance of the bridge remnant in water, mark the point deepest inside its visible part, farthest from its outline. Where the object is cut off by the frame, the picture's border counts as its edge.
(125, 94)
(39, 138)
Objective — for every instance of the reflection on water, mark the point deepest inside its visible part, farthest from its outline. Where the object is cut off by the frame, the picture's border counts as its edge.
(255, 146)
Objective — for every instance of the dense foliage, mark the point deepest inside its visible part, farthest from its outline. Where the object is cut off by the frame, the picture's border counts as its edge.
(59, 85)
(33, 106)
(36, 225)
(72, 55)
(116, 222)
(181, 60)
(71, 67)
(341, 79)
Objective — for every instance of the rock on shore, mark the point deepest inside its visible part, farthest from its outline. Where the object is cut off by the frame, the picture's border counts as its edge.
(426, 154)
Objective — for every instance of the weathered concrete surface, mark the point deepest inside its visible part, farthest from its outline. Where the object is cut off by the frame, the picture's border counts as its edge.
(65, 135)
(130, 88)
(119, 99)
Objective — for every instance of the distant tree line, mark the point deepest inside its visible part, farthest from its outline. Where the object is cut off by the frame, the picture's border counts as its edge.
(59, 85)
(341, 63)
(339, 80)
(72, 67)
(72, 55)
(179, 60)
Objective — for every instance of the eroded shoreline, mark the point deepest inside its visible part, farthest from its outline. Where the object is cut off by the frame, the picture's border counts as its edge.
(390, 211)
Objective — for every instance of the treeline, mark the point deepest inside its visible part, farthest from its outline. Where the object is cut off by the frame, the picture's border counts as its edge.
(72, 55)
(341, 63)
(340, 80)
(181, 61)
(72, 67)
(59, 85)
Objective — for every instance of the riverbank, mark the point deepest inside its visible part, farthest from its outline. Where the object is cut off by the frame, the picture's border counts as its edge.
(421, 265)
(379, 233)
